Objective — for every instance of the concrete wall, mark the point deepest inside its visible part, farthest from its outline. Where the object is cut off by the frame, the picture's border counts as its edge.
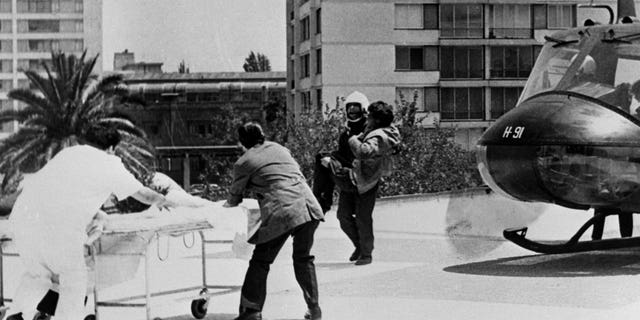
(360, 37)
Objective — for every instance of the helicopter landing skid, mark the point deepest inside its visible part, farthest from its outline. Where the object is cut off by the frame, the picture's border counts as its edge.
(518, 236)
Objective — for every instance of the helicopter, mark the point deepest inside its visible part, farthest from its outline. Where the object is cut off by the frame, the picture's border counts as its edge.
(573, 138)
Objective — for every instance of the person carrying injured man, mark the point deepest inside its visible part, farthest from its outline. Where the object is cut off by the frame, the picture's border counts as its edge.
(50, 219)
(328, 175)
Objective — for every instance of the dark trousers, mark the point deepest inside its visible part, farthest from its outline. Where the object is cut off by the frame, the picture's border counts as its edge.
(254, 288)
(355, 213)
(323, 184)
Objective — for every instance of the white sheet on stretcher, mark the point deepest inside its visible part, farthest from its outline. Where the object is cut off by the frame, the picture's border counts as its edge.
(130, 233)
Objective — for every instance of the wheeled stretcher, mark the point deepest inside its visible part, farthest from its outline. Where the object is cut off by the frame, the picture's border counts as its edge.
(133, 235)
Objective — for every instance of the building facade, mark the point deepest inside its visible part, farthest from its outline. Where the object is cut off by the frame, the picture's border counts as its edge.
(467, 60)
(181, 108)
(126, 61)
(31, 29)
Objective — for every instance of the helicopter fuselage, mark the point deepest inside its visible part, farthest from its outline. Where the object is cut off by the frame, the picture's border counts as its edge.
(574, 137)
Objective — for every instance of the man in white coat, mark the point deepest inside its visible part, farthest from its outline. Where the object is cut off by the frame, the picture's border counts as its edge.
(50, 218)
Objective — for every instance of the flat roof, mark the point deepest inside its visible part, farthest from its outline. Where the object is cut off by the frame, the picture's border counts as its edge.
(134, 77)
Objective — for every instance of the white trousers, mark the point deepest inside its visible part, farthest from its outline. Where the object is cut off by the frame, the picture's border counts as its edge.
(42, 261)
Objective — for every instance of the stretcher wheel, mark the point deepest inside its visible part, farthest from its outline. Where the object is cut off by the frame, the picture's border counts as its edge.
(90, 317)
(199, 308)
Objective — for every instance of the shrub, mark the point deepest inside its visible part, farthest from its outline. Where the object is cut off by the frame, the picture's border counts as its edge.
(437, 163)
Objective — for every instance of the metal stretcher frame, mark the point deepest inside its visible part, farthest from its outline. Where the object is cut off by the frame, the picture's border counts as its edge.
(3, 308)
(199, 305)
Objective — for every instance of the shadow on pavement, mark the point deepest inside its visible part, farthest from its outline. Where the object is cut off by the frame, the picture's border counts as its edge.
(481, 213)
(586, 264)
(219, 316)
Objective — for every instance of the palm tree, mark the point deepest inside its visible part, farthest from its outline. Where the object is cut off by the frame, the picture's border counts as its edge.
(64, 102)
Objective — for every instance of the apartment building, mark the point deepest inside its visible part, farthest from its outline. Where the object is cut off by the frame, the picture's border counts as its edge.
(31, 29)
(467, 60)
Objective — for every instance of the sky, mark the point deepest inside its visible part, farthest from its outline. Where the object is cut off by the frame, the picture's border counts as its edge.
(209, 35)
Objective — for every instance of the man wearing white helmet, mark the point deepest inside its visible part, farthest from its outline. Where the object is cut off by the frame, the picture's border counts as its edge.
(355, 108)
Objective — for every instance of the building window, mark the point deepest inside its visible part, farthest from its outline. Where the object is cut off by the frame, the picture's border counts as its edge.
(461, 62)
(5, 6)
(38, 26)
(503, 100)
(24, 83)
(48, 45)
(461, 21)
(6, 66)
(417, 58)
(6, 85)
(416, 16)
(34, 6)
(510, 21)
(462, 103)
(304, 29)
(561, 16)
(304, 66)
(79, 6)
(5, 26)
(71, 26)
(318, 61)
(319, 100)
(426, 99)
(410, 95)
(33, 64)
(201, 128)
(430, 20)
(409, 16)
(512, 61)
(539, 16)
(6, 105)
(293, 48)
(318, 21)
(6, 46)
(305, 101)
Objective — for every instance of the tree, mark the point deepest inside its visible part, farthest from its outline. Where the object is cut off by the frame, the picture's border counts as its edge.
(66, 100)
(182, 67)
(256, 63)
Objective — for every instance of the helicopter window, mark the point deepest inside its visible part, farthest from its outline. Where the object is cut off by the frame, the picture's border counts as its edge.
(628, 78)
(583, 173)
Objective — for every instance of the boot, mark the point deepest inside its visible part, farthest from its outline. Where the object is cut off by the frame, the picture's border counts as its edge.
(363, 260)
(355, 255)
(249, 314)
(313, 313)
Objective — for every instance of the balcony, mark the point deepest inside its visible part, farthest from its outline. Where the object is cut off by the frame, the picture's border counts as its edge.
(510, 33)
(462, 33)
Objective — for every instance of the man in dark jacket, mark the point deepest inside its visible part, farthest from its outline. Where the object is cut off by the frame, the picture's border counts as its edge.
(287, 208)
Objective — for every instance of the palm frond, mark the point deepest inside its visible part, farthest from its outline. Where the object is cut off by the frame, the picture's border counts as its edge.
(32, 99)
(19, 115)
(51, 90)
(124, 124)
(65, 102)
